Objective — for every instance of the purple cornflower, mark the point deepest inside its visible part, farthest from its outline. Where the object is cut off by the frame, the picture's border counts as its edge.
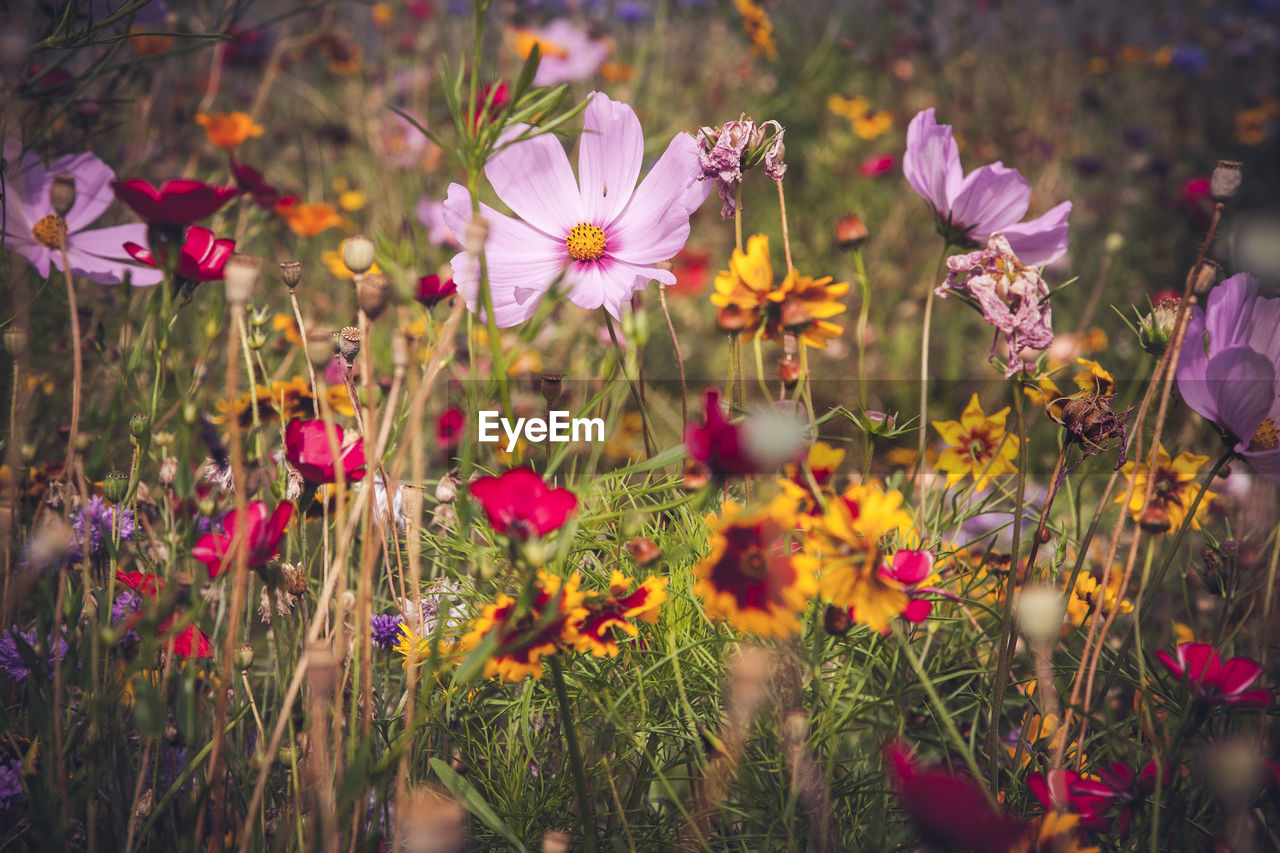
(33, 231)
(100, 519)
(12, 660)
(1011, 296)
(126, 604)
(11, 793)
(1229, 369)
(386, 628)
(971, 208)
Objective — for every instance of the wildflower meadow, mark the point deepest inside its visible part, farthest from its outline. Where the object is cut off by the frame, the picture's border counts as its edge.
(640, 425)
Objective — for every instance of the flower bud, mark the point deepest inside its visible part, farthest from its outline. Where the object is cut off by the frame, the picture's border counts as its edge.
(139, 424)
(1040, 613)
(240, 276)
(373, 292)
(643, 551)
(1224, 183)
(291, 273)
(447, 488)
(295, 579)
(788, 372)
(349, 343)
(851, 231)
(475, 235)
(1114, 242)
(533, 552)
(1202, 278)
(62, 193)
(244, 656)
(1156, 329)
(357, 254)
(552, 387)
(731, 318)
(15, 340)
(168, 470)
(115, 486)
(287, 755)
(836, 620)
(83, 442)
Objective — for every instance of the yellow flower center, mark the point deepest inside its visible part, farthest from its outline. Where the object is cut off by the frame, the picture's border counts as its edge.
(586, 242)
(51, 231)
(1267, 437)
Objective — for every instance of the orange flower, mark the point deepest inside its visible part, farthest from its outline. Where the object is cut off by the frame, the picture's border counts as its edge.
(308, 220)
(617, 609)
(227, 130)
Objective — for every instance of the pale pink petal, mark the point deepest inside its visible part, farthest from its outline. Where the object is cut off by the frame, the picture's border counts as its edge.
(534, 179)
(1041, 240)
(931, 163)
(990, 198)
(652, 227)
(609, 155)
(93, 187)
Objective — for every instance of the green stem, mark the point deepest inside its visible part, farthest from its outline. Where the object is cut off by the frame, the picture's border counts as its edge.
(575, 756)
(925, 333)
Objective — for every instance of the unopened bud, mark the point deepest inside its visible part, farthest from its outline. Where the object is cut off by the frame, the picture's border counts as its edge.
(349, 343)
(1224, 183)
(244, 656)
(731, 318)
(357, 254)
(291, 273)
(139, 424)
(789, 372)
(447, 488)
(1114, 242)
(115, 485)
(240, 276)
(15, 340)
(552, 387)
(62, 194)
(373, 292)
(851, 231)
(475, 235)
(1202, 278)
(1040, 613)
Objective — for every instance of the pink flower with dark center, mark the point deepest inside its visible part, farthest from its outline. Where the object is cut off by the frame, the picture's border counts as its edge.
(309, 451)
(519, 504)
(600, 235)
(261, 537)
(173, 203)
(971, 208)
(910, 569)
(32, 229)
(203, 255)
(1214, 681)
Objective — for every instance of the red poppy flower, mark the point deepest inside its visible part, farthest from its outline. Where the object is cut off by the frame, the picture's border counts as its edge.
(308, 450)
(948, 810)
(432, 291)
(876, 165)
(1214, 681)
(450, 426)
(179, 202)
(250, 180)
(192, 642)
(519, 504)
(718, 444)
(262, 537)
(203, 255)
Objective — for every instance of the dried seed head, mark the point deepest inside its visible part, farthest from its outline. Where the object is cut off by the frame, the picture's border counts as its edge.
(62, 193)
(1224, 183)
(291, 273)
(552, 387)
(244, 656)
(139, 424)
(373, 293)
(836, 620)
(295, 579)
(447, 488)
(349, 343)
(115, 485)
(240, 276)
(1202, 278)
(357, 254)
(851, 231)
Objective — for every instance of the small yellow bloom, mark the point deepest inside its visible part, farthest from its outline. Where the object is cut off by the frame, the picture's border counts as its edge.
(352, 200)
(526, 40)
(1175, 491)
(339, 400)
(872, 125)
(801, 305)
(227, 130)
(617, 609)
(287, 324)
(523, 639)
(1089, 597)
(977, 446)
(740, 290)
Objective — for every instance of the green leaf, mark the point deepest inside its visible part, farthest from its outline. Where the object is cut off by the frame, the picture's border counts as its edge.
(473, 802)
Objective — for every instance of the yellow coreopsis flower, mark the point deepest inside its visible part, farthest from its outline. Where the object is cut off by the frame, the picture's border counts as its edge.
(740, 290)
(1175, 491)
(1090, 597)
(759, 29)
(977, 446)
(801, 305)
(550, 622)
(619, 608)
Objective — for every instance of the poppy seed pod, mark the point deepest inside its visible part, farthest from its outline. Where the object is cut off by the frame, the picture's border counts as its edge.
(373, 292)
(244, 656)
(357, 253)
(1224, 183)
(851, 231)
(115, 485)
(139, 424)
(1202, 278)
(62, 194)
(349, 343)
(552, 387)
(291, 273)
(240, 278)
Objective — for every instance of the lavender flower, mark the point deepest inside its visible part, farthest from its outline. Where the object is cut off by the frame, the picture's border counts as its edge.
(11, 793)
(11, 659)
(126, 604)
(567, 53)
(385, 628)
(431, 214)
(100, 520)
(1011, 296)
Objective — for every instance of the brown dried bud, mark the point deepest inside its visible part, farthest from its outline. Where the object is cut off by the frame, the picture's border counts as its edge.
(291, 273)
(643, 551)
(794, 314)
(731, 318)
(836, 620)
(1202, 278)
(552, 387)
(373, 292)
(447, 488)
(295, 579)
(1155, 520)
(62, 194)
(349, 343)
(1224, 183)
(789, 372)
(851, 231)
(240, 277)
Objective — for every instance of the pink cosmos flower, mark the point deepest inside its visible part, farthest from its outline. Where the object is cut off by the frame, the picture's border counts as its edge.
(431, 214)
(262, 538)
(970, 208)
(309, 450)
(601, 234)
(876, 165)
(31, 230)
(1214, 681)
(567, 53)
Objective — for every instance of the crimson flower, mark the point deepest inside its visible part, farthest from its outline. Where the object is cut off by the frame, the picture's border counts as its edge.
(519, 504)
(449, 427)
(308, 450)
(250, 180)
(501, 97)
(1214, 681)
(262, 537)
(203, 255)
(432, 291)
(175, 203)
(1091, 799)
(910, 569)
(949, 811)
(718, 444)
(876, 165)
(192, 642)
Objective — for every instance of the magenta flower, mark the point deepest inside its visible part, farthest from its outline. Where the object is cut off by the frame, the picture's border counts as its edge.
(1229, 369)
(601, 235)
(261, 537)
(203, 255)
(175, 202)
(910, 569)
(1214, 681)
(970, 208)
(520, 504)
(1012, 297)
(31, 227)
(567, 53)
